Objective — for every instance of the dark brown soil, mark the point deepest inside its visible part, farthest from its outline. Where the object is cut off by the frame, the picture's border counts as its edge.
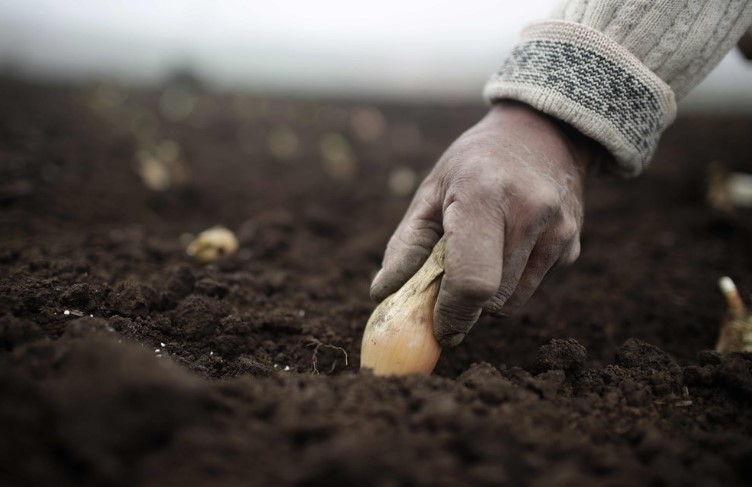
(244, 372)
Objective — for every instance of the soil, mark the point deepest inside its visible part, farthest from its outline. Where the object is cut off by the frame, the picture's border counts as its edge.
(123, 362)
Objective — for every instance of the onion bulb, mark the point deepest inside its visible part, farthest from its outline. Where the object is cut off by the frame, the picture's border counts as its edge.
(399, 337)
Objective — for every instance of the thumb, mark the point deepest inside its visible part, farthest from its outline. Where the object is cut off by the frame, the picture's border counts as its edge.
(472, 271)
(407, 250)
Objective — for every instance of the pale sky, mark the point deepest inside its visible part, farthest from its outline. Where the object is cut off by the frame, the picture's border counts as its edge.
(392, 48)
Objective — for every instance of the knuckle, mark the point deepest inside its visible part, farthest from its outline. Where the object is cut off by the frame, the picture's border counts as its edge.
(468, 188)
(544, 202)
(488, 186)
(425, 200)
(574, 253)
(569, 230)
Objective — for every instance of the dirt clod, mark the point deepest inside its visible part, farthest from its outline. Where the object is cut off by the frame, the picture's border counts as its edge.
(566, 355)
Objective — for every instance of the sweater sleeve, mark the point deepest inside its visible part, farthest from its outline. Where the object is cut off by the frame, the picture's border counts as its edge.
(614, 69)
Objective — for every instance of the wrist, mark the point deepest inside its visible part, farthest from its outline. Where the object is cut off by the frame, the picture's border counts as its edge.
(584, 151)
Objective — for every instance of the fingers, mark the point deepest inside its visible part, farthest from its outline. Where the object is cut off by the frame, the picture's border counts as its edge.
(409, 246)
(486, 267)
(517, 252)
(472, 268)
(549, 252)
(542, 259)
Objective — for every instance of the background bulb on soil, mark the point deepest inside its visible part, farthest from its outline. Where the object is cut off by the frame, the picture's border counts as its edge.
(736, 330)
(399, 337)
(213, 243)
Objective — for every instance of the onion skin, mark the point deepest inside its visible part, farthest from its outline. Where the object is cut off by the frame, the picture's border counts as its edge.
(399, 337)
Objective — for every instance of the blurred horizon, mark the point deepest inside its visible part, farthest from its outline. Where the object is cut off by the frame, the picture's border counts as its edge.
(405, 50)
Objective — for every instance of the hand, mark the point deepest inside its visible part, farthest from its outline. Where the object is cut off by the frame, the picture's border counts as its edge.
(508, 195)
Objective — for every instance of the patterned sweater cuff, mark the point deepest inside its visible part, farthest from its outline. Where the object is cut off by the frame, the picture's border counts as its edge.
(582, 77)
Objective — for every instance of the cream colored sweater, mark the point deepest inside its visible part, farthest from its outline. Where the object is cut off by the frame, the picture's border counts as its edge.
(614, 69)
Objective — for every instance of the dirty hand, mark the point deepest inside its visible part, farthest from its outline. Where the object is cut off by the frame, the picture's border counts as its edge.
(508, 196)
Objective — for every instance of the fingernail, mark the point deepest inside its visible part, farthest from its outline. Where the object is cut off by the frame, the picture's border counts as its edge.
(452, 340)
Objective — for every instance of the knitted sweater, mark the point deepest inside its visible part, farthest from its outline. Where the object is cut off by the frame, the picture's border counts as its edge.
(614, 69)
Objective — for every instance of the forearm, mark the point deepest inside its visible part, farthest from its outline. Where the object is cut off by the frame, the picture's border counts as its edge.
(615, 69)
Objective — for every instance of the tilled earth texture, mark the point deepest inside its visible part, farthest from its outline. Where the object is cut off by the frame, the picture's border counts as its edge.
(124, 362)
